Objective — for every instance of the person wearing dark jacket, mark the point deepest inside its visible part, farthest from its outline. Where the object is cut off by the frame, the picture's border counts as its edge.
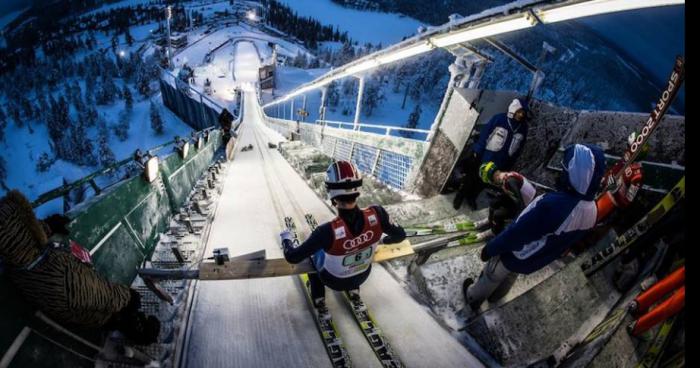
(499, 145)
(342, 249)
(59, 282)
(546, 228)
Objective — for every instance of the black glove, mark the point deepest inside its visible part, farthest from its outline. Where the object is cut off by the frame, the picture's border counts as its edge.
(484, 257)
(141, 329)
(57, 224)
(134, 302)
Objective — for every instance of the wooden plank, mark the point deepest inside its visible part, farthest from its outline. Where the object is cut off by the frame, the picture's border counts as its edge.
(386, 252)
(252, 269)
(237, 270)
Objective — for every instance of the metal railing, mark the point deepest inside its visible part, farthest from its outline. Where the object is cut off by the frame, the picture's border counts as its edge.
(389, 159)
(378, 129)
(91, 179)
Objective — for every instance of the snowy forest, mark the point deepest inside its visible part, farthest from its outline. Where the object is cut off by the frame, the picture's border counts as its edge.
(584, 71)
(80, 87)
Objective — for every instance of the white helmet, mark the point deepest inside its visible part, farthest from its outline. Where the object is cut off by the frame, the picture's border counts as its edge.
(342, 179)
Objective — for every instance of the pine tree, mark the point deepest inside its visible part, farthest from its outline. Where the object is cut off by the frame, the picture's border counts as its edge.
(14, 112)
(156, 120)
(44, 163)
(128, 98)
(58, 126)
(332, 94)
(121, 130)
(105, 154)
(372, 97)
(3, 174)
(43, 108)
(412, 122)
(3, 124)
(81, 149)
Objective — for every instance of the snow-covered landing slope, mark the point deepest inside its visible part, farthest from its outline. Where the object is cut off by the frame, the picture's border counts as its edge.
(266, 322)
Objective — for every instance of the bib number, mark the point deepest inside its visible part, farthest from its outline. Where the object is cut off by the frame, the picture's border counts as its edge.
(357, 258)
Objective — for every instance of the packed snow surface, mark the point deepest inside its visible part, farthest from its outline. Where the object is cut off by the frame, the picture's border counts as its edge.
(266, 322)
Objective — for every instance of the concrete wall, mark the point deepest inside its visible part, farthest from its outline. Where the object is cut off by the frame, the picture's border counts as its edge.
(551, 128)
(120, 227)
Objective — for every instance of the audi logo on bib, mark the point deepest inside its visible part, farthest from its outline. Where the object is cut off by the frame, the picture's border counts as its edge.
(355, 242)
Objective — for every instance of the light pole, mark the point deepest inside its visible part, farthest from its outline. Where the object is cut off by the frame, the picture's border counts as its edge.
(168, 16)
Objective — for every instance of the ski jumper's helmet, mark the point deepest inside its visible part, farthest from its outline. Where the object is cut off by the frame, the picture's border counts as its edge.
(343, 179)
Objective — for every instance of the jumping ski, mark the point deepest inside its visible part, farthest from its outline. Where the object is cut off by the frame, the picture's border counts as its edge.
(367, 324)
(625, 240)
(652, 356)
(422, 230)
(611, 178)
(324, 322)
(592, 344)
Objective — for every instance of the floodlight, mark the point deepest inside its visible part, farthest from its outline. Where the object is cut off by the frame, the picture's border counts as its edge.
(150, 170)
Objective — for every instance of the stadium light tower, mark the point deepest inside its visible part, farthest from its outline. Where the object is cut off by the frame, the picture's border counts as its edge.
(168, 16)
(252, 16)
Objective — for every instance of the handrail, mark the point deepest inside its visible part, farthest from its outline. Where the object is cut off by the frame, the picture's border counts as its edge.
(388, 128)
(514, 16)
(65, 189)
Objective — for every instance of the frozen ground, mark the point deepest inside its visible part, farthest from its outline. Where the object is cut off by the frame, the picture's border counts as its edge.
(386, 28)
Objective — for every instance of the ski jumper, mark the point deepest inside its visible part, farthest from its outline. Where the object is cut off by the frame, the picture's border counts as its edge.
(342, 250)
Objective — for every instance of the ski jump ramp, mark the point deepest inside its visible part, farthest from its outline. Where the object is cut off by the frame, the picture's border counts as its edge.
(267, 322)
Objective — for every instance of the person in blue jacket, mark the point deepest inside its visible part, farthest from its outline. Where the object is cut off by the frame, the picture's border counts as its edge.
(545, 229)
(500, 143)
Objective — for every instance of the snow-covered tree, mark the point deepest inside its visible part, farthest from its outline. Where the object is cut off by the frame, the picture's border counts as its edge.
(14, 112)
(104, 153)
(413, 119)
(106, 91)
(372, 97)
(121, 130)
(128, 98)
(44, 163)
(3, 124)
(156, 120)
(300, 60)
(3, 174)
(43, 108)
(332, 94)
(81, 149)
(58, 124)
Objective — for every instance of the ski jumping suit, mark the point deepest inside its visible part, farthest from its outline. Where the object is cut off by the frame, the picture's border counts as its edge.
(342, 249)
(547, 227)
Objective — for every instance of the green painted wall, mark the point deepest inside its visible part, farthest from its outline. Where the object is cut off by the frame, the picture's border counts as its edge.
(121, 227)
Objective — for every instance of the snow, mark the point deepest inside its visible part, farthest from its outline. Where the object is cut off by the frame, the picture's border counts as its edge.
(9, 17)
(117, 5)
(21, 149)
(386, 28)
(388, 112)
(276, 328)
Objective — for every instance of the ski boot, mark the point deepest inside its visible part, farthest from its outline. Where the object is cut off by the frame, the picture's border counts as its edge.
(473, 306)
(354, 294)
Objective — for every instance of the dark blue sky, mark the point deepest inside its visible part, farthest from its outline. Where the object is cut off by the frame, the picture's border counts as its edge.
(7, 6)
(651, 37)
